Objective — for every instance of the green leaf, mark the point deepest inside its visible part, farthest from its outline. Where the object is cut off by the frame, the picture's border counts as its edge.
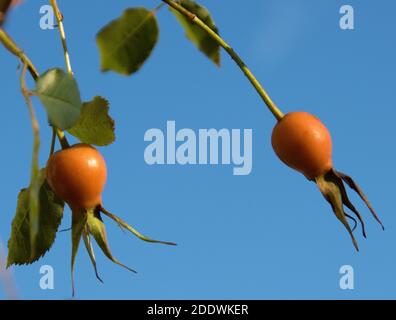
(126, 43)
(195, 34)
(98, 230)
(59, 93)
(20, 250)
(95, 126)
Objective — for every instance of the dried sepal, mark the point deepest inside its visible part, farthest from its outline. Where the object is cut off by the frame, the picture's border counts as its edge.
(353, 185)
(348, 202)
(330, 186)
(354, 221)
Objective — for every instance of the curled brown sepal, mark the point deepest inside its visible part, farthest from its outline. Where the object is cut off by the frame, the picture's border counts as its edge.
(332, 187)
(353, 185)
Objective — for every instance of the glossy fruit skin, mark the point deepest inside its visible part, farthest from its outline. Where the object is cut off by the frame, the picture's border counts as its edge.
(78, 176)
(303, 143)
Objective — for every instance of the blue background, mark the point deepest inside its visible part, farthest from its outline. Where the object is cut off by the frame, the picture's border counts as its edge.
(266, 235)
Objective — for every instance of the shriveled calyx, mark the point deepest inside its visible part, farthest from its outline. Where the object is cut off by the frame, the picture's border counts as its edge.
(78, 176)
(303, 143)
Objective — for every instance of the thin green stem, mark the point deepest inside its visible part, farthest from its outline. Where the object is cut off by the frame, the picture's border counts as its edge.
(253, 80)
(62, 139)
(12, 47)
(53, 140)
(35, 125)
(59, 18)
(33, 190)
(159, 7)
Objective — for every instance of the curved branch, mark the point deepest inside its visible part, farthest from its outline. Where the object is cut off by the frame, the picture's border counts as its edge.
(220, 41)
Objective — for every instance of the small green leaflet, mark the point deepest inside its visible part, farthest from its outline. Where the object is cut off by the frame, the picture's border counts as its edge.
(59, 93)
(95, 126)
(20, 249)
(126, 43)
(195, 34)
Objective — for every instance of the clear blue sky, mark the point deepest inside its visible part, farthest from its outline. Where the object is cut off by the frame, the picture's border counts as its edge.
(266, 235)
